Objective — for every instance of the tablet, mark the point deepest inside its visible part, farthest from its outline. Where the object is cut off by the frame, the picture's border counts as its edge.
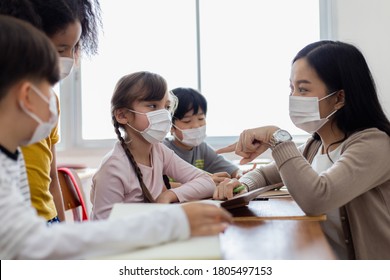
(244, 199)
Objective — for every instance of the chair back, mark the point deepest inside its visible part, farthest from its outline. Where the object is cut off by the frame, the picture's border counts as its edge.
(72, 193)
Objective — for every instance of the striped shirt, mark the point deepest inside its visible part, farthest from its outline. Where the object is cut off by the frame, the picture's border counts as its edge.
(14, 167)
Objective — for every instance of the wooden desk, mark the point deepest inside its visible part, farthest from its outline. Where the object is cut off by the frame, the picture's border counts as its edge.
(275, 240)
(264, 230)
(283, 208)
(274, 229)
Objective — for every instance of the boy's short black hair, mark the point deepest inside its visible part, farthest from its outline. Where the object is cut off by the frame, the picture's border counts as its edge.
(25, 53)
(188, 99)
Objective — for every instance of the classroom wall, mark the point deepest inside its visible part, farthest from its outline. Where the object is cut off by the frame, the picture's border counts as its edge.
(360, 22)
(366, 24)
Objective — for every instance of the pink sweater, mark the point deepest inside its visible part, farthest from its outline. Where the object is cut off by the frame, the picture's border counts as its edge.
(116, 181)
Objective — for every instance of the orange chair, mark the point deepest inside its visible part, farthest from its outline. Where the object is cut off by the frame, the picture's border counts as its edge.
(72, 193)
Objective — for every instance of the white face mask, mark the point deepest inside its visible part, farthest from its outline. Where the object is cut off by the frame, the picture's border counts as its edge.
(66, 66)
(305, 113)
(160, 122)
(44, 128)
(192, 137)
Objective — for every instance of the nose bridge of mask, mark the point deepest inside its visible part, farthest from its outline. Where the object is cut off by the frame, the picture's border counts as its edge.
(155, 117)
(304, 106)
(159, 114)
(193, 132)
(193, 136)
(301, 105)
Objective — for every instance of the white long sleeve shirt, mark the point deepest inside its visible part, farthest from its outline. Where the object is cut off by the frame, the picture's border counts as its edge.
(24, 235)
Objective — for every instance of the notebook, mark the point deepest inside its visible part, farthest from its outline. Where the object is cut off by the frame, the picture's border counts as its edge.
(195, 248)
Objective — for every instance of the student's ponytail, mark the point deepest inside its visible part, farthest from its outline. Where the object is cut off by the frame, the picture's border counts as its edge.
(147, 195)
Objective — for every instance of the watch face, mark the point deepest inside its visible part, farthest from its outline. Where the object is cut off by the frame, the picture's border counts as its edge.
(283, 135)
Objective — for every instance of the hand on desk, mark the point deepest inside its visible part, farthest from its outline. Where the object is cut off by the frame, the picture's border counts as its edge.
(225, 189)
(206, 219)
(219, 177)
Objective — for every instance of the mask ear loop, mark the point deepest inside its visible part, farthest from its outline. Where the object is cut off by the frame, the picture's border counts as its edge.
(177, 127)
(128, 141)
(329, 95)
(115, 121)
(325, 97)
(44, 98)
(145, 114)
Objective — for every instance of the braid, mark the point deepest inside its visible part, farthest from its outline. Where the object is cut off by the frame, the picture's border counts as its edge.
(147, 195)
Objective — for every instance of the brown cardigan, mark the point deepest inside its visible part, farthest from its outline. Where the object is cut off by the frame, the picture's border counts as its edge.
(359, 180)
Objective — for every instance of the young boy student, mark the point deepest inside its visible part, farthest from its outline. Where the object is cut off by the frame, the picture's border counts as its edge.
(72, 27)
(189, 133)
(29, 69)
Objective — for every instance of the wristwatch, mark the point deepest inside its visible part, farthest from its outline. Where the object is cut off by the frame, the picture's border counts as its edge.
(278, 137)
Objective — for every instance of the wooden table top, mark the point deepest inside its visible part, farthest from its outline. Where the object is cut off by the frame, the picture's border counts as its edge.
(275, 240)
(283, 208)
(275, 229)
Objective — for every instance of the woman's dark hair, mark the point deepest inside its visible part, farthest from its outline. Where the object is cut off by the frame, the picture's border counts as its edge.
(188, 99)
(342, 66)
(52, 16)
(25, 53)
(139, 86)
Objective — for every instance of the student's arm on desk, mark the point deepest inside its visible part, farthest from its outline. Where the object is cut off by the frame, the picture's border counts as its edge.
(202, 247)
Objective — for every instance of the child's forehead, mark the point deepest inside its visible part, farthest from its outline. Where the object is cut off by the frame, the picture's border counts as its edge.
(147, 98)
(191, 112)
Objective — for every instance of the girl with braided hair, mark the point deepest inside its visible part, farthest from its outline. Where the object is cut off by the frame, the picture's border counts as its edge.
(133, 170)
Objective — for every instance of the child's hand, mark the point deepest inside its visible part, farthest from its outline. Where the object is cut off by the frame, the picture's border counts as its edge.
(206, 219)
(242, 173)
(249, 170)
(219, 177)
(225, 189)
